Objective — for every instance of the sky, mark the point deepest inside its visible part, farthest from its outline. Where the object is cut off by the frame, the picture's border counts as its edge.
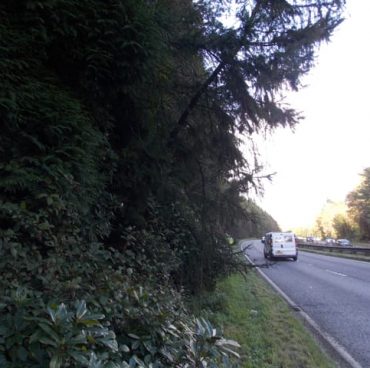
(323, 158)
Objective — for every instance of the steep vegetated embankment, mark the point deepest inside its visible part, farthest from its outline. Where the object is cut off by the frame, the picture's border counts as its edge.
(120, 168)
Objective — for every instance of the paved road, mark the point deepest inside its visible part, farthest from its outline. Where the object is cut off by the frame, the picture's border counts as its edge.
(334, 292)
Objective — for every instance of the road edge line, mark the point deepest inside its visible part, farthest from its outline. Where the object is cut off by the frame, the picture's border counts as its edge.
(327, 338)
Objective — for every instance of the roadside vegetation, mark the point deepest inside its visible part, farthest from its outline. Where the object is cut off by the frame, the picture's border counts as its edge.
(345, 220)
(122, 173)
(269, 334)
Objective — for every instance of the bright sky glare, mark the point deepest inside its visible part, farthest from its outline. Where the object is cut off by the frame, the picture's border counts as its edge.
(322, 159)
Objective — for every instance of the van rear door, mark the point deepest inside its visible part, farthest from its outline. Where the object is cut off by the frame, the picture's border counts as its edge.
(284, 244)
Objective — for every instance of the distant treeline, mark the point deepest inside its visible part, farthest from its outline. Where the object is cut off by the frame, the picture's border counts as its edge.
(348, 219)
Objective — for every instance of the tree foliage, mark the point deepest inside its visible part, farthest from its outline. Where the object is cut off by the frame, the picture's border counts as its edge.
(358, 202)
(121, 169)
(344, 227)
(327, 223)
(253, 221)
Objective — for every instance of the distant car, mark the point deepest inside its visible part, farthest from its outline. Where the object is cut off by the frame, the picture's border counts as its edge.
(310, 239)
(263, 240)
(329, 241)
(344, 243)
(299, 239)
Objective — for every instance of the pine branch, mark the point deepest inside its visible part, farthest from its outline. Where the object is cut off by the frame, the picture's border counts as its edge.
(183, 120)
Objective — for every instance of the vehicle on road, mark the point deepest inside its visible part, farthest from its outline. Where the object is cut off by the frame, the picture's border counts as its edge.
(310, 239)
(344, 243)
(330, 241)
(300, 239)
(280, 245)
(263, 240)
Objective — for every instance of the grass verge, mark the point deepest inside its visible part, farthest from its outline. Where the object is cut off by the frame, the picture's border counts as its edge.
(265, 327)
(357, 257)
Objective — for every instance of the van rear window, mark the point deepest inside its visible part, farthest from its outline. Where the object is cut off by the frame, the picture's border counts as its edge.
(284, 239)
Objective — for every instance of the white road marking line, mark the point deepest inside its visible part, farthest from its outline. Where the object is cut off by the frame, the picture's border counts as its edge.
(337, 273)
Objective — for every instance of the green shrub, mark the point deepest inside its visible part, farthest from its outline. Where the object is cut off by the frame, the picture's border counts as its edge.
(32, 335)
(61, 338)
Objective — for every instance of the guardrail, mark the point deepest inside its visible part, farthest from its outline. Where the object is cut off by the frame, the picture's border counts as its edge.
(335, 249)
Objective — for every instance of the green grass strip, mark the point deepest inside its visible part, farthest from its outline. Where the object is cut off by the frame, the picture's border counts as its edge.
(269, 334)
(357, 257)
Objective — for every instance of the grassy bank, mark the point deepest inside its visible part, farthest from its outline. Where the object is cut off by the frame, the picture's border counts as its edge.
(269, 334)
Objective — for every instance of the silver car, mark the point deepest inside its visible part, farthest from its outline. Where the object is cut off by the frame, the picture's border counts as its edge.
(344, 243)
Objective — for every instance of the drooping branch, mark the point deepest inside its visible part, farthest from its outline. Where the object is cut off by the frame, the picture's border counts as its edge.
(182, 122)
(193, 102)
(305, 38)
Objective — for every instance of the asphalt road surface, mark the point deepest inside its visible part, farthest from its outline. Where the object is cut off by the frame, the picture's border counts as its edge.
(334, 292)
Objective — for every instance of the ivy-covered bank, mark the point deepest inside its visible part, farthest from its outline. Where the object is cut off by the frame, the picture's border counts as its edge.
(121, 170)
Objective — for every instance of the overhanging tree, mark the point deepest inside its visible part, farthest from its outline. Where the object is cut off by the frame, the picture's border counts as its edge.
(248, 68)
(268, 52)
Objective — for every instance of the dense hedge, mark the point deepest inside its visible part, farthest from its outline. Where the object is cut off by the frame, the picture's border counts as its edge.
(88, 255)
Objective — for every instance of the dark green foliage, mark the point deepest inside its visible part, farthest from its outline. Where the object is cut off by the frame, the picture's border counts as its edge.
(254, 222)
(60, 336)
(121, 171)
(135, 318)
(33, 335)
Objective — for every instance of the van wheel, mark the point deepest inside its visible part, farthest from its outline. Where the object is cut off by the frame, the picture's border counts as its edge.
(295, 258)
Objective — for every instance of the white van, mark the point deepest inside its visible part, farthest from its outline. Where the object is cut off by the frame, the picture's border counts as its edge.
(280, 245)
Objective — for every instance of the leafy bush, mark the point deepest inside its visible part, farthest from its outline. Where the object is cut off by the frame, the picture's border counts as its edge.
(60, 339)
(58, 336)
